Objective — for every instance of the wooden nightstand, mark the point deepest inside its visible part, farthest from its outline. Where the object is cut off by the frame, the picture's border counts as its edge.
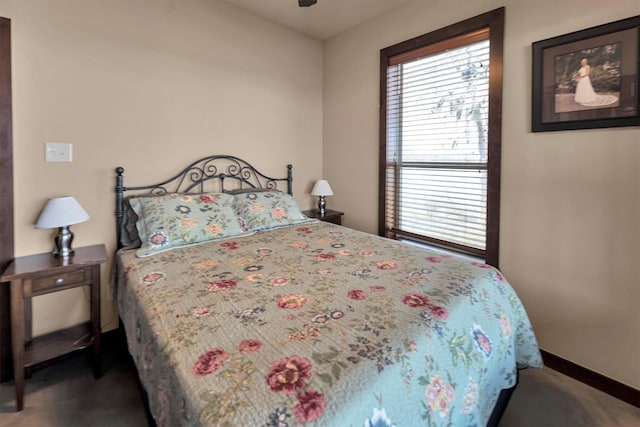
(329, 215)
(41, 274)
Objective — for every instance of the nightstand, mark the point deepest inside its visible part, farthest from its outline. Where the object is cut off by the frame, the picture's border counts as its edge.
(329, 215)
(35, 275)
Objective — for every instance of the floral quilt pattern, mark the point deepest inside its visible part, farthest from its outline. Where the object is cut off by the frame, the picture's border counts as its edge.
(317, 324)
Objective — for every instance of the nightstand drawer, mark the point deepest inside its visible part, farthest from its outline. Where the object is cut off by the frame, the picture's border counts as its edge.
(59, 280)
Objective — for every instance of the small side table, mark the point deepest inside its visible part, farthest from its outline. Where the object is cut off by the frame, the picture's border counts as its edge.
(41, 274)
(329, 215)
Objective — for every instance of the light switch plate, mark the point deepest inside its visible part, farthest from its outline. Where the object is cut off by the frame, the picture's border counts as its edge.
(58, 152)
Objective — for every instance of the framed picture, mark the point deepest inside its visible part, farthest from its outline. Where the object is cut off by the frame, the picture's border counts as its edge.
(587, 79)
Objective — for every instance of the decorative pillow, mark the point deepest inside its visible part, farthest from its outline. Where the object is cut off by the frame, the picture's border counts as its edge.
(129, 238)
(268, 209)
(175, 220)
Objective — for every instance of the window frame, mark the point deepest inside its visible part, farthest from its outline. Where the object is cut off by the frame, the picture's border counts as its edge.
(494, 22)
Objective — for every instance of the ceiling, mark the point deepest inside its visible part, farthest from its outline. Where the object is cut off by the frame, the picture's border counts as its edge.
(322, 20)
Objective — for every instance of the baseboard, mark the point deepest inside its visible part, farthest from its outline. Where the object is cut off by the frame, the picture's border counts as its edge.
(598, 381)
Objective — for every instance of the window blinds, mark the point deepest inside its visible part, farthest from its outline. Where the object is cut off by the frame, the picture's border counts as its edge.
(436, 130)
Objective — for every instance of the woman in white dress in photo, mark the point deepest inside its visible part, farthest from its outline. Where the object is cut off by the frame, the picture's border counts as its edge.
(585, 95)
(584, 91)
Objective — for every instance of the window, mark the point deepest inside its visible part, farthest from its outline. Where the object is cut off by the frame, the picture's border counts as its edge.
(440, 132)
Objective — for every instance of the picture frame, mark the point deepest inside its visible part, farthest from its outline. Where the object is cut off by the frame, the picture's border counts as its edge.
(587, 79)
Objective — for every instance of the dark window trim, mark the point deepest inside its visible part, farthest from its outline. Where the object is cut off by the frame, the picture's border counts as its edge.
(6, 194)
(494, 20)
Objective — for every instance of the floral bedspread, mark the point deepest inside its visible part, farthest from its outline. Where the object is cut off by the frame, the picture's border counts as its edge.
(321, 325)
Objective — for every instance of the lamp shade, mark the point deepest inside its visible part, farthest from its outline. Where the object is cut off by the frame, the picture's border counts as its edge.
(322, 188)
(60, 212)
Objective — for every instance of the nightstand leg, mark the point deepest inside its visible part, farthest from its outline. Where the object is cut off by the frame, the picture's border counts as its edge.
(17, 340)
(27, 304)
(95, 321)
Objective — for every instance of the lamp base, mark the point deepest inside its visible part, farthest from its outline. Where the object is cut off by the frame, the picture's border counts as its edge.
(322, 204)
(62, 242)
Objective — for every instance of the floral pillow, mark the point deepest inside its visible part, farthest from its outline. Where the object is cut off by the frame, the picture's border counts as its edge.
(175, 220)
(268, 209)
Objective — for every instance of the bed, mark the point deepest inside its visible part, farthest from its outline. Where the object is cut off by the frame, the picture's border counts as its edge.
(240, 311)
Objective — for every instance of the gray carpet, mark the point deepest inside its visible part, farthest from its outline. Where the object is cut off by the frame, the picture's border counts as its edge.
(63, 393)
(546, 398)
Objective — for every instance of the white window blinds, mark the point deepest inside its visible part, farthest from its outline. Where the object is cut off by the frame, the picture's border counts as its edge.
(436, 144)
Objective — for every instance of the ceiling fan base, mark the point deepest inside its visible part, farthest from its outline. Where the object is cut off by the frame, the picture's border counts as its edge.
(306, 3)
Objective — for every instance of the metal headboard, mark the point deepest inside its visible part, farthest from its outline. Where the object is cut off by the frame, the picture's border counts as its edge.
(205, 174)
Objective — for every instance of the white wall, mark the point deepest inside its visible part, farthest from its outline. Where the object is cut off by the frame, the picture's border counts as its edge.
(570, 227)
(150, 85)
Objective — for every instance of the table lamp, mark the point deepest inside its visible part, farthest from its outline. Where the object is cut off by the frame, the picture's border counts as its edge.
(60, 213)
(322, 189)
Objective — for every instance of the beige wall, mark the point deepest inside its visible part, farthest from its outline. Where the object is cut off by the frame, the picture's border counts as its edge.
(570, 228)
(150, 85)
